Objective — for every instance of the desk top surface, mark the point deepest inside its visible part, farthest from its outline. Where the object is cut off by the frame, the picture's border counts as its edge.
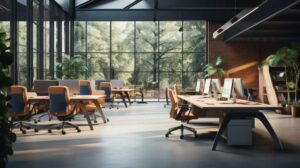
(123, 90)
(75, 97)
(212, 103)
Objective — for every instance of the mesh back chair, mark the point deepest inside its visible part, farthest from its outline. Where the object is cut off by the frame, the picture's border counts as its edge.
(106, 86)
(60, 107)
(19, 108)
(182, 114)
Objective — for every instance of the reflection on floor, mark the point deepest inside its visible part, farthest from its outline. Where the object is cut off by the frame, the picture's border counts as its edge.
(134, 138)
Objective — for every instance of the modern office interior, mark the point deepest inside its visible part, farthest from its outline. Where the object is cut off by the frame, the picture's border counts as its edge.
(149, 83)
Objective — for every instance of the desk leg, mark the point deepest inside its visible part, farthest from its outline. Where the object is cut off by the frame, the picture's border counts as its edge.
(123, 98)
(86, 114)
(259, 115)
(268, 126)
(100, 111)
(224, 124)
(128, 97)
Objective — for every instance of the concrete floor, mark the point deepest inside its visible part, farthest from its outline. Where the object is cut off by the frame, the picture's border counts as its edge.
(134, 138)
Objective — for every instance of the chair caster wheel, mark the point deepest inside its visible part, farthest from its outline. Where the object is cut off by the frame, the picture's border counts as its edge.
(36, 130)
(63, 132)
(167, 136)
(35, 122)
(78, 130)
(107, 120)
(196, 136)
(181, 136)
(95, 122)
(23, 131)
(49, 131)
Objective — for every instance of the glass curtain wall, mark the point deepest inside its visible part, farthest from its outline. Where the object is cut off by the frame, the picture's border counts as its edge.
(152, 55)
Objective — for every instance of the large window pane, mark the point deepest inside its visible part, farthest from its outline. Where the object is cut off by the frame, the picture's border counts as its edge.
(123, 62)
(170, 62)
(170, 37)
(146, 36)
(98, 37)
(194, 61)
(98, 66)
(80, 36)
(194, 36)
(122, 36)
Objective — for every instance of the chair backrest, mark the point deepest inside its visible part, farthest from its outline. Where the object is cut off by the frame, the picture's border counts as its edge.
(98, 83)
(41, 86)
(106, 86)
(174, 103)
(85, 87)
(117, 84)
(73, 85)
(176, 89)
(59, 99)
(18, 102)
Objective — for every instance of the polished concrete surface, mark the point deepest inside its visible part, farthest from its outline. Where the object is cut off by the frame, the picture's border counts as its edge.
(134, 138)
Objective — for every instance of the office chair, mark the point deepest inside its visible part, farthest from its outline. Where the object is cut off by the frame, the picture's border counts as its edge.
(19, 108)
(182, 114)
(85, 87)
(106, 86)
(91, 107)
(61, 108)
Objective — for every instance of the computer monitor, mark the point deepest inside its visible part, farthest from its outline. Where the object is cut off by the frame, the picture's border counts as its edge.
(227, 88)
(238, 90)
(200, 85)
(41, 86)
(73, 86)
(207, 87)
(216, 86)
(117, 84)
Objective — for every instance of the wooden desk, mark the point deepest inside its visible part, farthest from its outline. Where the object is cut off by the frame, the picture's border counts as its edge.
(78, 99)
(124, 92)
(239, 109)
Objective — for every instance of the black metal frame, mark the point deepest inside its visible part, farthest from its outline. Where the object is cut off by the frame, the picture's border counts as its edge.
(134, 53)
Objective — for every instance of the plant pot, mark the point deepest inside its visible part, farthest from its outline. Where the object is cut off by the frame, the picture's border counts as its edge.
(286, 110)
(295, 110)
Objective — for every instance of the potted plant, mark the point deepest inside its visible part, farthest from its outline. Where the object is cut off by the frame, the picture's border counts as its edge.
(71, 68)
(287, 58)
(7, 137)
(216, 69)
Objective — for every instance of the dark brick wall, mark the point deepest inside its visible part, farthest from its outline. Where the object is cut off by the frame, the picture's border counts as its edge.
(240, 58)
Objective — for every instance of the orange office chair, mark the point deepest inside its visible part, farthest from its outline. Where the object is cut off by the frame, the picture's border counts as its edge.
(60, 107)
(19, 108)
(182, 114)
(106, 86)
(91, 107)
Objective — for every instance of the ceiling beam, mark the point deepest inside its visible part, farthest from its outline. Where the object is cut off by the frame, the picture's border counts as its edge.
(132, 4)
(147, 15)
(268, 10)
(208, 4)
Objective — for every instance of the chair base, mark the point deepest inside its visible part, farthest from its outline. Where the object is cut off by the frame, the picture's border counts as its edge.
(23, 126)
(62, 126)
(182, 127)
